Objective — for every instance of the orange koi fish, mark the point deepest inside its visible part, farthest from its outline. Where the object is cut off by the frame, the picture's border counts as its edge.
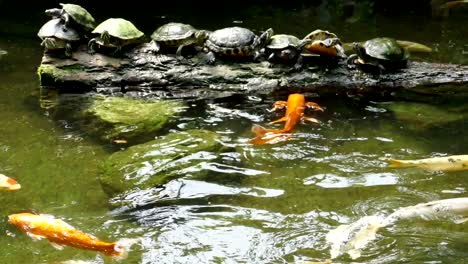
(295, 107)
(59, 233)
(8, 184)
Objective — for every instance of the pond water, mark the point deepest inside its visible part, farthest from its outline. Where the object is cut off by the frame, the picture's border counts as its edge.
(257, 204)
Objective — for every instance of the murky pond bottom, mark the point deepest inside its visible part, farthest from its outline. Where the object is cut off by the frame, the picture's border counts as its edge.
(252, 204)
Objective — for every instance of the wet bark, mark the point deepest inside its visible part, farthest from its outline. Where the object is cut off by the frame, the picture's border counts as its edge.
(139, 72)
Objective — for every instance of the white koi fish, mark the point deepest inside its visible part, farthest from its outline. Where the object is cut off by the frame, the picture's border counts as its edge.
(352, 238)
(449, 163)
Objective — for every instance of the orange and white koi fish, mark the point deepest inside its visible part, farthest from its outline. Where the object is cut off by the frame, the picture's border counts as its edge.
(59, 233)
(8, 184)
(295, 107)
(449, 163)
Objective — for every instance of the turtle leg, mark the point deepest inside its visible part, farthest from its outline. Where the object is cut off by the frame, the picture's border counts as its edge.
(271, 60)
(117, 50)
(68, 50)
(350, 61)
(48, 43)
(92, 46)
(211, 58)
(156, 46)
(259, 54)
(299, 63)
(179, 52)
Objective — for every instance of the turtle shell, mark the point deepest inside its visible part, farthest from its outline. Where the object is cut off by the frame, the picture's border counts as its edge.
(173, 31)
(80, 15)
(55, 28)
(282, 41)
(385, 49)
(320, 35)
(119, 28)
(231, 37)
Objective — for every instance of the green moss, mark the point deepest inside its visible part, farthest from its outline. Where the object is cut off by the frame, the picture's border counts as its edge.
(124, 117)
(48, 74)
(157, 161)
(73, 68)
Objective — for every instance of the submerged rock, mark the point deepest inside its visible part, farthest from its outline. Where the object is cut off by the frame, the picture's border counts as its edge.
(124, 117)
(423, 115)
(158, 161)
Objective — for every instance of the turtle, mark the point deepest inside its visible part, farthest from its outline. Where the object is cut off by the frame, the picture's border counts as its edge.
(75, 13)
(177, 35)
(325, 43)
(379, 55)
(55, 36)
(283, 48)
(115, 33)
(235, 42)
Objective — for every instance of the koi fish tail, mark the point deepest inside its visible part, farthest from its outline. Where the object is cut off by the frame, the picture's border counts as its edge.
(393, 163)
(259, 130)
(122, 247)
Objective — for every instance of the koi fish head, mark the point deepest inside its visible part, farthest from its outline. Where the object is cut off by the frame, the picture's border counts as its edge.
(22, 220)
(298, 98)
(8, 184)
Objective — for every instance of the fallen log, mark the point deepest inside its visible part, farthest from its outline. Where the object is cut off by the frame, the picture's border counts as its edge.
(139, 72)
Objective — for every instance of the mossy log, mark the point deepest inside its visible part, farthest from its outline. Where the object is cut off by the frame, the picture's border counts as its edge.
(142, 73)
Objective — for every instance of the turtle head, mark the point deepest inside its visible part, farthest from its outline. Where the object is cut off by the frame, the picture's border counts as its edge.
(105, 37)
(288, 54)
(359, 49)
(201, 35)
(262, 40)
(54, 12)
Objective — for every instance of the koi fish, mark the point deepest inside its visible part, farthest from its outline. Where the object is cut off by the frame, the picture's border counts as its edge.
(119, 141)
(449, 163)
(8, 184)
(353, 237)
(295, 107)
(59, 233)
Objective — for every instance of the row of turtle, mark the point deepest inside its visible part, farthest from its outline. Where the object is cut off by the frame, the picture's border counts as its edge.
(73, 23)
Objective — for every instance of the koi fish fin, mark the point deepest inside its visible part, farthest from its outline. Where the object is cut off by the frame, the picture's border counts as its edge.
(314, 106)
(283, 119)
(56, 246)
(270, 139)
(311, 119)
(259, 130)
(122, 247)
(34, 237)
(279, 105)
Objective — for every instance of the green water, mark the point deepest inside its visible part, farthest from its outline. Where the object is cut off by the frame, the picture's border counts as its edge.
(256, 204)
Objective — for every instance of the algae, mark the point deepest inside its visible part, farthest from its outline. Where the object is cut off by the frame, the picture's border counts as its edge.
(125, 117)
(158, 161)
